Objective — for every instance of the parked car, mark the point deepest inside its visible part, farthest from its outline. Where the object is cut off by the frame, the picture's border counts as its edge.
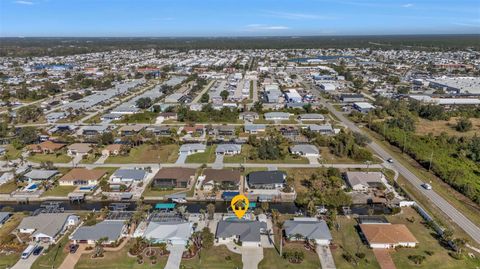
(427, 186)
(390, 160)
(37, 250)
(26, 253)
(73, 248)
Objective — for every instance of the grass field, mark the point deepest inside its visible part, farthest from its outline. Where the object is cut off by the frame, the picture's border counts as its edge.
(59, 191)
(424, 127)
(153, 193)
(38, 158)
(89, 159)
(148, 154)
(214, 258)
(271, 259)
(12, 153)
(440, 257)
(244, 156)
(205, 157)
(347, 239)
(7, 261)
(118, 260)
(8, 187)
(54, 255)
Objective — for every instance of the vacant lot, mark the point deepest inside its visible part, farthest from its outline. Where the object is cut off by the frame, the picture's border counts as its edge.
(424, 127)
(148, 154)
(246, 153)
(205, 157)
(215, 258)
(39, 158)
(12, 153)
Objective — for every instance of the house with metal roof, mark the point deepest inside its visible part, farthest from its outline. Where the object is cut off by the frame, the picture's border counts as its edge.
(246, 232)
(175, 233)
(128, 176)
(325, 129)
(39, 175)
(300, 229)
(311, 117)
(277, 116)
(266, 179)
(228, 149)
(112, 230)
(305, 150)
(255, 128)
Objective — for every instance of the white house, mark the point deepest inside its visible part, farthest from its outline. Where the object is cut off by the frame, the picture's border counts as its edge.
(388, 235)
(189, 149)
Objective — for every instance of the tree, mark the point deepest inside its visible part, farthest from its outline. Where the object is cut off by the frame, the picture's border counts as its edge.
(257, 107)
(107, 138)
(211, 211)
(27, 135)
(463, 125)
(207, 238)
(144, 102)
(417, 259)
(224, 94)
(205, 97)
(311, 209)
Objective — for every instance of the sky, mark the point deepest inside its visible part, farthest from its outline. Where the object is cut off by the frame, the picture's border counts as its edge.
(164, 18)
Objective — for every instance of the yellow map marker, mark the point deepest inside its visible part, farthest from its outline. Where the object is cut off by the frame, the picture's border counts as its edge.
(239, 205)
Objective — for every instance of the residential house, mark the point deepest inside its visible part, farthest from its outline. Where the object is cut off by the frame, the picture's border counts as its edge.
(193, 148)
(363, 107)
(175, 233)
(162, 130)
(311, 117)
(47, 227)
(325, 129)
(255, 128)
(224, 179)
(276, 116)
(352, 98)
(128, 176)
(112, 230)
(4, 216)
(362, 181)
(82, 177)
(194, 130)
(128, 130)
(228, 149)
(174, 177)
(248, 116)
(37, 175)
(308, 228)
(266, 180)
(169, 115)
(289, 131)
(93, 130)
(225, 130)
(305, 150)
(388, 235)
(46, 147)
(79, 149)
(245, 232)
(112, 150)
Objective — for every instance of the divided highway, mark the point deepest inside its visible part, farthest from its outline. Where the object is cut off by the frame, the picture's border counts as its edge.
(463, 222)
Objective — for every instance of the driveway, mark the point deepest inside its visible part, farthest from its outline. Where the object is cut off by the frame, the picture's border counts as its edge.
(384, 259)
(218, 164)
(102, 159)
(27, 263)
(72, 259)
(181, 158)
(325, 256)
(251, 257)
(175, 257)
(313, 160)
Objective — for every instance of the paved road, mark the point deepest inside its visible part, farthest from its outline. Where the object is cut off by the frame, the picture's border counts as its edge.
(463, 222)
(205, 89)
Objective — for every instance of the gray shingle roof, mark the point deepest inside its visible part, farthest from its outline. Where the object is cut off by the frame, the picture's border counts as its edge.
(135, 174)
(308, 229)
(37, 174)
(108, 228)
(228, 147)
(248, 231)
(46, 223)
(305, 149)
(266, 177)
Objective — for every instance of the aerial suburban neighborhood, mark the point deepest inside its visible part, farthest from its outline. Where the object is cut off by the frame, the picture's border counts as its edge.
(356, 152)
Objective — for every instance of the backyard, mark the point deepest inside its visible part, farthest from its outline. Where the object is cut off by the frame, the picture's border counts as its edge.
(59, 191)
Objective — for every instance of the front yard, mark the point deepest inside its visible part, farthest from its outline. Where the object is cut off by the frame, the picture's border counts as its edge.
(214, 258)
(53, 256)
(148, 154)
(205, 157)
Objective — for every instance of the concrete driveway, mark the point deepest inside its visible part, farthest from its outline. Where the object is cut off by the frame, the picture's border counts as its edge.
(325, 256)
(218, 164)
(181, 158)
(175, 257)
(251, 257)
(72, 259)
(27, 263)
(313, 160)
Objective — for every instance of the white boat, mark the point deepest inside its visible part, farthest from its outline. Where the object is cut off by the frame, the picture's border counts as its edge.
(179, 200)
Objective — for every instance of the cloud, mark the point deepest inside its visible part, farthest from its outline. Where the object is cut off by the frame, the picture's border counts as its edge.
(259, 27)
(407, 5)
(296, 16)
(467, 24)
(20, 2)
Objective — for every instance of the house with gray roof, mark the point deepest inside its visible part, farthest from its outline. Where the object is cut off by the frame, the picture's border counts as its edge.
(128, 176)
(175, 233)
(311, 117)
(193, 148)
(266, 179)
(255, 128)
(277, 116)
(4, 216)
(306, 150)
(228, 149)
(325, 129)
(47, 227)
(300, 229)
(39, 175)
(362, 181)
(112, 230)
(245, 232)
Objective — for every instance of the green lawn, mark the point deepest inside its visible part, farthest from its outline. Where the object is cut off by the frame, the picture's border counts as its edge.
(118, 260)
(244, 156)
(12, 153)
(271, 258)
(38, 158)
(7, 261)
(347, 238)
(205, 157)
(214, 258)
(148, 154)
(61, 191)
(154, 193)
(54, 255)
(145, 117)
(89, 159)
(440, 257)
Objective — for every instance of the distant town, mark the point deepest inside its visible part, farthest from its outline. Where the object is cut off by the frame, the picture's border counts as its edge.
(349, 157)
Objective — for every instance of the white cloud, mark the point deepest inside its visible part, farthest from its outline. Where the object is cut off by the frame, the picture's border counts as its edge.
(296, 16)
(260, 27)
(20, 2)
(407, 5)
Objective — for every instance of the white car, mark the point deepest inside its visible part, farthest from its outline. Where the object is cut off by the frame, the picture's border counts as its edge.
(427, 186)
